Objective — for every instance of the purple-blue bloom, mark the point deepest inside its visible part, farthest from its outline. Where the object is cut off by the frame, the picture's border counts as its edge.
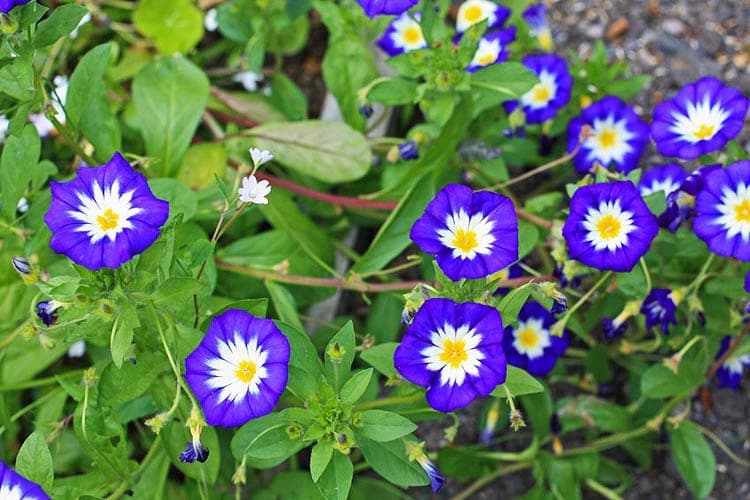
(455, 351)
(551, 94)
(730, 372)
(475, 11)
(701, 118)
(618, 136)
(391, 7)
(614, 327)
(666, 178)
(536, 17)
(660, 307)
(680, 203)
(492, 49)
(46, 310)
(7, 5)
(609, 226)
(408, 150)
(194, 451)
(14, 486)
(722, 211)
(404, 34)
(433, 473)
(471, 235)
(239, 369)
(530, 345)
(105, 215)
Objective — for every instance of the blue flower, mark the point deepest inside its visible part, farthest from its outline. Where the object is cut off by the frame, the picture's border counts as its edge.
(392, 7)
(404, 34)
(195, 451)
(615, 327)
(551, 94)
(436, 477)
(14, 486)
(536, 17)
(472, 12)
(47, 311)
(105, 216)
(7, 5)
(667, 179)
(531, 345)
(731, 371)
(492, 49)
(660, 307)
(701, 118)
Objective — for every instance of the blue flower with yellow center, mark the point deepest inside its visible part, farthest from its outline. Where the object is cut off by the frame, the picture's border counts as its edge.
(551, 94)
(701, 118)
(530, 345)
(536, 17)
(454, 350)
(609, 226)
(471, 235)
(472, 12)
(404, 34)
(618, 137)
(492, 49)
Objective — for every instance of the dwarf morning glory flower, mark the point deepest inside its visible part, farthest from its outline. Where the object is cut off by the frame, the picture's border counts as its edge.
(536, 16)
(475, 11)
(530, 345)
(393, 7)
(680, 203)
(194, 451)
(404, 34)
(492, 49)
(471, 235)
(618, 137)
(609, 226)
(660, 307)
(408, 150)
(239, 369)
(46, 310)
(454, 350)
(730, 372)
(21, 265)
(614, 327)
(254, 191)
(551, 94)
(105, 216)
(7, 5)
(722, 211)
(667, 178)
(436, 477)
(14, 486)
(701, 118)
(366, 110)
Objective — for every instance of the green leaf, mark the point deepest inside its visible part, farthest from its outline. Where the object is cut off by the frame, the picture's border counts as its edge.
(331, 152)
(122, 336)
(336, 481)
(693, 457)
(295, 485)
(264, 442)
(380, 357)
(17, 78)
(287, 97)
(182, 200)
(510, 80)
(518, 382)
(17, 164)
(538, 409)
(528, 236)
(175, 435)
(463, 464)
(201, 163)
(283, 302)
(658, 381)
(169, 97)
(154, 476)
(60, 23)
(129, 382)
(175, 290)
(173, 25)
(356, 386)
(256, 307)
(394, 91)
(656, 202)
(512, 303)
(384, 426)
(633, 284)
(305, 368)
(390, 461)
(34, 461)
(320, 457)
(337, 371)
(348, 65)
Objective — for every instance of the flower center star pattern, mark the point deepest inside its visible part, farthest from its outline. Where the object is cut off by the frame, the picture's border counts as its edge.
(608, 226)
(735, 210)
(239, 370)
(467, 236)
(609, 141)
(542, 93)
(531, 338)
(453, 353)
(107, 214)
(701, 122)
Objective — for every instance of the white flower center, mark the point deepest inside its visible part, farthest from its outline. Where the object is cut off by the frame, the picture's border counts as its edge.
(701, 123)
(107, 214)
(11, 492)
(609, 141)
(608, 226)
(668, 186)
(735, 210)
(239, 369)
(467, 236)
(542, 93)
(454, 353)
(407, 34)
(486, 53)
(531, 338)
(474, 11)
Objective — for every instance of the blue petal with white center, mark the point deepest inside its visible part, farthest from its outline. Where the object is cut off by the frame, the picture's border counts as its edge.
(701, 118)
(530, 345)
(722, 211)
(618, 136)
(454, 350)
(660, 307)
(552, 93)
(667, 179)
(105, 215)
(730, 372)
(536, 17)
(471, 235)
(404, 34)
(492, 49)
(239, 369)
(609, 226)
(472, 12)
(385, 7)
(14, 486)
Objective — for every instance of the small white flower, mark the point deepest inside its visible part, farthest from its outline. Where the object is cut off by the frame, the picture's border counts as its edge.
(260, 157)
(249, 80)
(77, 350)
(253, 191)
(210, 22)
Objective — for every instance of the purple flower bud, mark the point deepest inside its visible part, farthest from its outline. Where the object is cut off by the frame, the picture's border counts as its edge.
(21, 265)
(408, 150)
(195, 451)
(365, 110)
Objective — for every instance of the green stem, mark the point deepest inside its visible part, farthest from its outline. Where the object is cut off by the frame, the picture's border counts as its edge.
(397, 400)
(713, 437)
(41, 382)
(602, 490)
(562, 322)
(483, 481)
(12, 336)
(168, 352)
(702, 275)
(644, 267)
